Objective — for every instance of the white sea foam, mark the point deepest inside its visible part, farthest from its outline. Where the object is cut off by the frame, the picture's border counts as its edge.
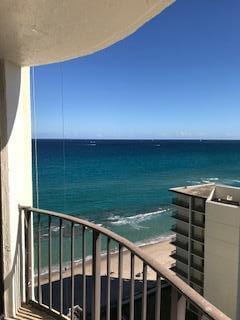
(162, 238)
(194, 182)
(55, 229)
(134, 220)
(209, 180)
(206, 181)
(203, 180)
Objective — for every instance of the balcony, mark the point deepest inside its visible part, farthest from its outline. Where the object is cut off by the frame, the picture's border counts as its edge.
(197, 253)
(197, 238)
(73, 290)
(197, 267)
(196, 281)
(180, 272)
(198, 224)
(198, 208)
(180, 203)
(178, 257)
(180, 245)
(180, 217)
(180, 231)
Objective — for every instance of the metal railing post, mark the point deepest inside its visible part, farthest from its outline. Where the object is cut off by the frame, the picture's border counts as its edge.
(108, 302)
(144, 293)
(61, 263)
(174, 300)
(72, 272)
(29, 255)
(39, 260)
(120, 284)
(96, 260)
(158, 298)
(83, 273)
(50, 260)
(181, 308)
(132, 288)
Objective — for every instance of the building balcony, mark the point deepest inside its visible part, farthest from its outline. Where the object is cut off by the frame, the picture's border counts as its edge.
(197, 253)
(180, 272)
(196, 281)
(197, 238)
(178, 257)
(198, 224)
(180, 231)
(184, 260)
(198, 208)
(180, 217)
(83, 289)
(198, 289)
(180, 203)
(179, 244)
(197, 267)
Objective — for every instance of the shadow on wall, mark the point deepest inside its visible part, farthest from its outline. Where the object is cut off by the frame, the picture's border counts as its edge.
(10, 83)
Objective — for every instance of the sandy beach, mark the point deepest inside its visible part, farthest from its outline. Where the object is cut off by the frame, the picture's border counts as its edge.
(160, 250)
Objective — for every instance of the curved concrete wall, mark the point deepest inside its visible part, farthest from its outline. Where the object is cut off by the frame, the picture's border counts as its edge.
(41, 32)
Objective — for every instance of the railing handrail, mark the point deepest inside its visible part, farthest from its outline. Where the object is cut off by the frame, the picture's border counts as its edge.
(199, 301)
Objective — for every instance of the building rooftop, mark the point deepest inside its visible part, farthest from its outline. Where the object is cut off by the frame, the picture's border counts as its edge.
(201, 191)
(226, 195)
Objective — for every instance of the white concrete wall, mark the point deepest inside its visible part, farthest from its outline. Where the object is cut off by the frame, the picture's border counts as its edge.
(222, 234)
(223, 191)
(16, 175)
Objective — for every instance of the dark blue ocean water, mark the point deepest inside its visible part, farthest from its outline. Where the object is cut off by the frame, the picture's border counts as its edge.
(123, 185)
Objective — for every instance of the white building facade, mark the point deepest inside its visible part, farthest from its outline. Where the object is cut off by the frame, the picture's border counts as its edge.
(207, 243)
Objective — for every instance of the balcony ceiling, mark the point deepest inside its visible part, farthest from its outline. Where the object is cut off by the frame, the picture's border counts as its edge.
(34, 32)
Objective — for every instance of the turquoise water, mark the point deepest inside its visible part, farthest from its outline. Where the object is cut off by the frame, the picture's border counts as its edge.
(123, 185)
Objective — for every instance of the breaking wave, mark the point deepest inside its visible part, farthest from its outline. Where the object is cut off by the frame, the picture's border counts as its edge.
(134, 220)
(203, 180)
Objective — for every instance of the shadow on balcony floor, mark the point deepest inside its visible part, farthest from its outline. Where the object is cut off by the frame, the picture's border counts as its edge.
(28, 312)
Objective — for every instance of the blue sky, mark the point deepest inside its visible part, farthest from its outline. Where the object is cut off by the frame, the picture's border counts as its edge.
(177, 77)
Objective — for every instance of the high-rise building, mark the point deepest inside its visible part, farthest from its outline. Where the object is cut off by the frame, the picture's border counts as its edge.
(207, 242)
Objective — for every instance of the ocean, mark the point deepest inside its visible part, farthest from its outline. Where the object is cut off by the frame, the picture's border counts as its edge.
(123, 184)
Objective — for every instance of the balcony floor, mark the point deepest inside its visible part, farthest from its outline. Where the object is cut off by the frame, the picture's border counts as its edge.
(28, 312)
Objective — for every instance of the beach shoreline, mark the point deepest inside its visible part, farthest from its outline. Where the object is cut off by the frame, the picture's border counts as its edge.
(160, 249)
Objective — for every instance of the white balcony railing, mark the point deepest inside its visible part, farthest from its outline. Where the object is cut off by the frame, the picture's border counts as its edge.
(58, 288)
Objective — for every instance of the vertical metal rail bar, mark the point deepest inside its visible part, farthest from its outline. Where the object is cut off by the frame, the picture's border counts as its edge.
(181, 308)
(50, 260)
(96, 275)
(120, 269)
(28, 246)
(158, 298)
(132, 287)
(39, 260)
(26, 226)
(72, 271)
(174, 301)
(60, 264)
(83, 273)
(144, 294)
(108, 280)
